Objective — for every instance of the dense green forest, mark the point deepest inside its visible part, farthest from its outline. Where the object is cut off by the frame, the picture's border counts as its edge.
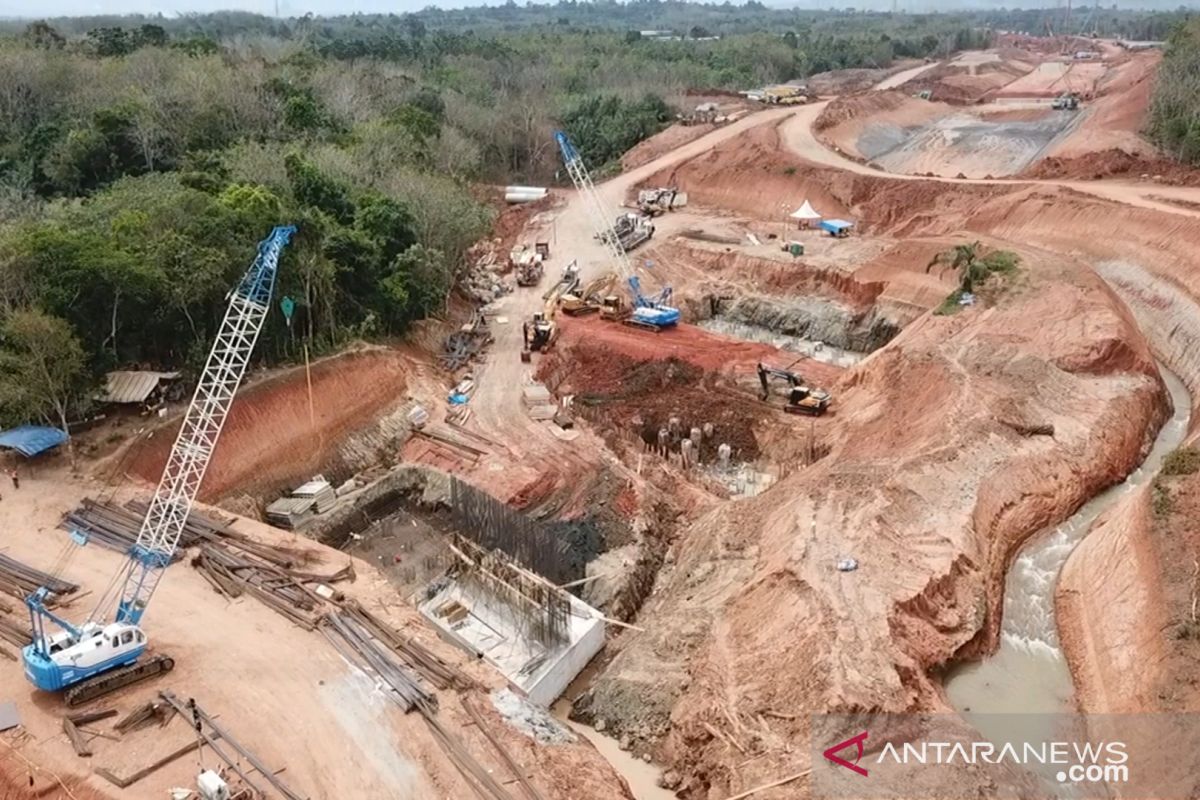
(1175, 112)
(142, 158)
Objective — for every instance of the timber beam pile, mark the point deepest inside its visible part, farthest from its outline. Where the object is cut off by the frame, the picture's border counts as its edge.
(21, 580)
(116, 527)
(284, 590)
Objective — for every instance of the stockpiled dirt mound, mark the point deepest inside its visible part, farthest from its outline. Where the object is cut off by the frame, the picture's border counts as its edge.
(847, 81)
(933, 480)
(962, 83)
(270, 441)
(893, 106)
(1114, 163)
(623, 393)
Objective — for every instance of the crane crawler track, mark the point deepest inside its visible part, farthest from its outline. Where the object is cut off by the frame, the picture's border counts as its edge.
(109, 682)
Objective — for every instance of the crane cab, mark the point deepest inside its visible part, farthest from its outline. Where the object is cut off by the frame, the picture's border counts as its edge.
(68, 657)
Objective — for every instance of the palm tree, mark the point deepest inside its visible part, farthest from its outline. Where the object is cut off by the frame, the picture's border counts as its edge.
(965, 259)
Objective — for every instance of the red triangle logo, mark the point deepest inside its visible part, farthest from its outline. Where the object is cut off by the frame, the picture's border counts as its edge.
(857, 741)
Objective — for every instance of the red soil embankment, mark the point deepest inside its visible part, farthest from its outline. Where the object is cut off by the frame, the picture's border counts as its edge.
(688, 343)
(270, 440)
(932, 483)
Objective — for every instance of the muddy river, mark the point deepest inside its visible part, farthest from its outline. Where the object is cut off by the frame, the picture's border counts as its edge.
(1028, 673)
(641, 776)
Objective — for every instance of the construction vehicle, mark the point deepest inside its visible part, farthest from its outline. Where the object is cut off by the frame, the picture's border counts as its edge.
(800, 398)
(541, 330)
(99, 656)
(785, 95)
(803, 400)
(629, 229)
(1066, 102)
(653, 312)
(528, 265)
(653, 202)
(590, 298)
(540, 333)
(568, 283)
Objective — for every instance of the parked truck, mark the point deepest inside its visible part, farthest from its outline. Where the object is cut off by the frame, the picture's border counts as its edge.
(632, 229)
(527, 264)
(785, 95)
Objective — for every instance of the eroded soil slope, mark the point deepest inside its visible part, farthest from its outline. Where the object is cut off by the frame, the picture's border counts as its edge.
(941, 464)
(274, 436)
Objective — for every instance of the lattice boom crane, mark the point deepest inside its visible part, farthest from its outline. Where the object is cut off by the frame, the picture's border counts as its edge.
(98, 657)
(649, 312)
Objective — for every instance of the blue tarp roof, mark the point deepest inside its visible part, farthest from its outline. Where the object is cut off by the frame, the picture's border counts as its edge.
(29, 440)
(836, 224)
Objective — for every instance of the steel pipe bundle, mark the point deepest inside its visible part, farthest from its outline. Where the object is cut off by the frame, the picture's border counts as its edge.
(414, 654)
(21, 580)
(283, 590)
(355, 643)
(116, 528)
(524, 194)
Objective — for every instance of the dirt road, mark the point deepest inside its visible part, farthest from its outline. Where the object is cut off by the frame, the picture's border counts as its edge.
(533, 447)
(797, 134)
(904, 77)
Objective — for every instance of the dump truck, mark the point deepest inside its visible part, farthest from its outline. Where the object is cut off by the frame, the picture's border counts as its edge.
(528, 266)
(785, 95)
(631, 229)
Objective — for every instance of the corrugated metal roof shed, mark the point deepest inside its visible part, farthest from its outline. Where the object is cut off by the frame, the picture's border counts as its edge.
(124, 386)
(29, 440)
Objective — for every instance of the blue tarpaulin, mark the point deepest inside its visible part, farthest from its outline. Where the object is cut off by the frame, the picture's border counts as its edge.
(836, 226)
(29, 440)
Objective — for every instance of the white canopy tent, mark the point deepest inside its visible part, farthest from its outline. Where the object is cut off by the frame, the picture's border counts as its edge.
(806, 213)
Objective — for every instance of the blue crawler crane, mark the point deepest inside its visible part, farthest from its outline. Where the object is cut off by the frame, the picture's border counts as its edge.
(105, 652)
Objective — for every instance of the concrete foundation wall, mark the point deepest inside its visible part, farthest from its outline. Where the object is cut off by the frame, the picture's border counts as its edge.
(554, 678)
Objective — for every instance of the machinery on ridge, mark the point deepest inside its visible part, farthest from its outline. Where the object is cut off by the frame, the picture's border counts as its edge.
(800, 398)
(653, 312)
(102, 654)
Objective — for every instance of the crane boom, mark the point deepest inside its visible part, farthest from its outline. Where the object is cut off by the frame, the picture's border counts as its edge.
(600, 215)
(650, 312)
(202, 424)
(100, 656)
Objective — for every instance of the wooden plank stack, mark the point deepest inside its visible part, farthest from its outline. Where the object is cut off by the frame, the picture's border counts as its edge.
(21, 580)
(285, 590)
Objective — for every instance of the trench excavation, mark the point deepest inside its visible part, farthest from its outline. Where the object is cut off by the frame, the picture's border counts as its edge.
(1028, 674)
(809, 325)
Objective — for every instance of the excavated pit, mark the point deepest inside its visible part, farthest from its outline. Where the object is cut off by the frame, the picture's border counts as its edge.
(813, 326)
(409, 511)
